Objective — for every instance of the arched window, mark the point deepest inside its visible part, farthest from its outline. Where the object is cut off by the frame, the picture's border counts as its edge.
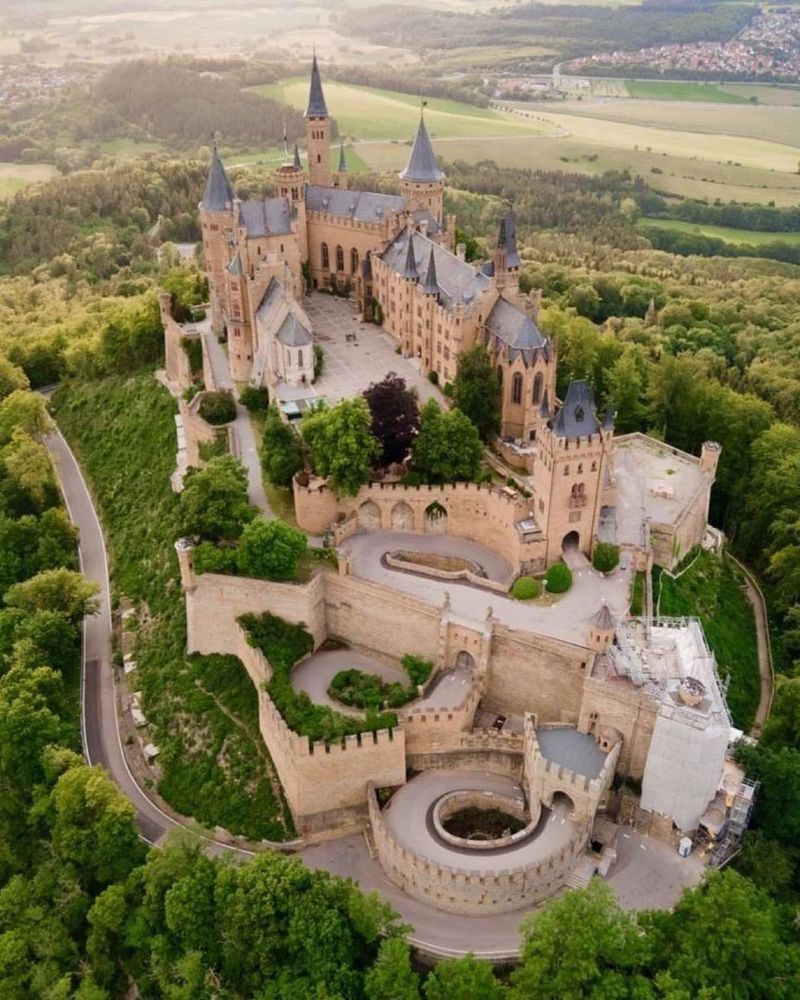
(537, 389)
(339, 259)
(580, 467)
(566, 470)
(326, 261)
(300, 358)
(594, 466)
(353, 260)
(516, 388)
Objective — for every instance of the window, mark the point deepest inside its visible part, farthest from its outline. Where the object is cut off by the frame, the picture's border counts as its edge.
(516, 388)
(594, 466)
(353, 260)
(319, 158)
(300, 358)
(339, 259)
(580, 467)
(566, 470)
(325, 258)
(537, 389)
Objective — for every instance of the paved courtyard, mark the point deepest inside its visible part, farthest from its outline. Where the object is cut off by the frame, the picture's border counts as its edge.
(351, 365)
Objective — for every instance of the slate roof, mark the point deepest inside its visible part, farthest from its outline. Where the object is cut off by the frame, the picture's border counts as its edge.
(292, 333)
(298, 165)
(515, 329)
(270, 217)
(235, 266)
(422, 164)
(603, 619)
(342, 169)
(219, 192)
(508, 239)
(577, 751)
(577, 416)
(272, 296)
(544, 409)
(361, 206)
(459, 283)
(317, 108)
(431, 284)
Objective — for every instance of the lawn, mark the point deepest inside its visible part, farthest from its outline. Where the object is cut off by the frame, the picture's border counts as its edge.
(15, 176)
(755, 237)
(275, 156)
(375, 115)
(672, 90)
(712, 591)
(202, 711)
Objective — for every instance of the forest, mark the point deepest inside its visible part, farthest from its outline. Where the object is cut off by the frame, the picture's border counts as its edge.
(85, 910)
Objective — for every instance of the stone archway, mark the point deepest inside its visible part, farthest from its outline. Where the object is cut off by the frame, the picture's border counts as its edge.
(402, 517)
(369, 516)
(560, 801)
(436, 519)
(571, 541)
(465, 661)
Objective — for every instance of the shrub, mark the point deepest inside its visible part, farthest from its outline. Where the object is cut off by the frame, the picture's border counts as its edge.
(271, 550)
(417, 668)
(605, 557)
(256, 400)
(193, 348)
(210, 558)
(319, 361)
(558, 578)
(525, 588)
(218, 407)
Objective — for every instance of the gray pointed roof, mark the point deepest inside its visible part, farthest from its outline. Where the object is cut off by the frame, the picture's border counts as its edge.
(459, 283)
(422, 164)
(577, 417)
(317, 108)
(431, 285)
(342, 169)
(508, 239)
(297, 163)
(410, 269)
(235, 266)
(292, 333)
(544, 409)
(360, 206)
(604, 620)
(219, 193)
(514, 327)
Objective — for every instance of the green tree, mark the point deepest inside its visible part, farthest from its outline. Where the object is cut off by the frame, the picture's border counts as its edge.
(447, 448)
(625, 394)
(12, 378)
(391, 977)
(476, 391)
(270, 549)
(581, 945)
(27, 464)
(341, 444)
(25, 410)
(61, 590)
(782, 728)
(605, 557)
(282, 449)
(464, 978)
(214, 502)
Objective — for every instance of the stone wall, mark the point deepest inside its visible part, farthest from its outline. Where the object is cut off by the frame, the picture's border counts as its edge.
(629, 710)
(176, 361)
(487, 515)
(482, 750)
(325, 784)
(426, 728)
(470, 891)
(196, 430)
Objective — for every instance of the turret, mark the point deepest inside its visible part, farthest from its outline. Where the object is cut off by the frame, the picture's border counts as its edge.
(709, 456)
(216, 221)
(601, 631)
(421, 180)
(318, 132)
(340, 177)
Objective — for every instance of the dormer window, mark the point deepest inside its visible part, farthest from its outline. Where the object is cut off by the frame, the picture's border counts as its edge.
(579, 413)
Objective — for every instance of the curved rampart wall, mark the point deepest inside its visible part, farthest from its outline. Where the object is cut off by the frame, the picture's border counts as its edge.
(471, 892)
(483, 514)
(478, 750)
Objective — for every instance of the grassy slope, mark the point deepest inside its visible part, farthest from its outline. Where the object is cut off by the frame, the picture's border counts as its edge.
(712, 591)
(754, 237)
(668, 90)
(202, 710)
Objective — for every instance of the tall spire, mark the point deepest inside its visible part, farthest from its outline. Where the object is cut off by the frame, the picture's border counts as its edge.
(431, 285)
(219, 193)
(422, 165)
(297, 164)
(410, 270)
(508, 238)
(342, 168)
(316, 99)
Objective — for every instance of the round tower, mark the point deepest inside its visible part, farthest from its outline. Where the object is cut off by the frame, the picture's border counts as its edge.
(421, 180)
(216, 223)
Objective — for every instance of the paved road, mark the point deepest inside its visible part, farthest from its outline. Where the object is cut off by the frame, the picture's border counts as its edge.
(765, 668)
(100, 732)
(568, 619)
(245, 447)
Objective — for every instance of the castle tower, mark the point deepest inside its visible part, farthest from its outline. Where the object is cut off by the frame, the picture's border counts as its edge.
(290, 184)
(421, 180)
(318, 132)
(601, 631)
(216, 221)
(340, 177)
(570, 477)
(505, 261)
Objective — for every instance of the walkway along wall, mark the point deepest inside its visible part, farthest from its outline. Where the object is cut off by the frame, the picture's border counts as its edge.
(325, 784)
(470, 891)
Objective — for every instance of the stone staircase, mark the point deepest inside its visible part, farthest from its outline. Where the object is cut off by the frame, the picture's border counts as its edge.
(581, 875)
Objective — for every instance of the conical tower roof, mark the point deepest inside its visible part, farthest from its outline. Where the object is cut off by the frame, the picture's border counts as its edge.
(544, 409)
(422, 164)
(342, 168)
(431, 285)
(219, 193)
(508, 239)
(603, 619)
(317, 107)
(297, 164)
(410, 269)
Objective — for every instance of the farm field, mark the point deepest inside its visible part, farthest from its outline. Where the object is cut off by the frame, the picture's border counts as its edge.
(386, 115)
(754, 237)
(676, 90)
(275, 156)
(765, 93)
(15, 176)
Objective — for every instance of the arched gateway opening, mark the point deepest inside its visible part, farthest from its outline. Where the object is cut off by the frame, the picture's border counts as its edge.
(571, 541)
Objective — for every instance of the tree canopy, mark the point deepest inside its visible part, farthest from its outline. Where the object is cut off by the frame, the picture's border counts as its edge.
(395, 417)
(447, 448)
(476, 391)
(214, 501)
(341, 445)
